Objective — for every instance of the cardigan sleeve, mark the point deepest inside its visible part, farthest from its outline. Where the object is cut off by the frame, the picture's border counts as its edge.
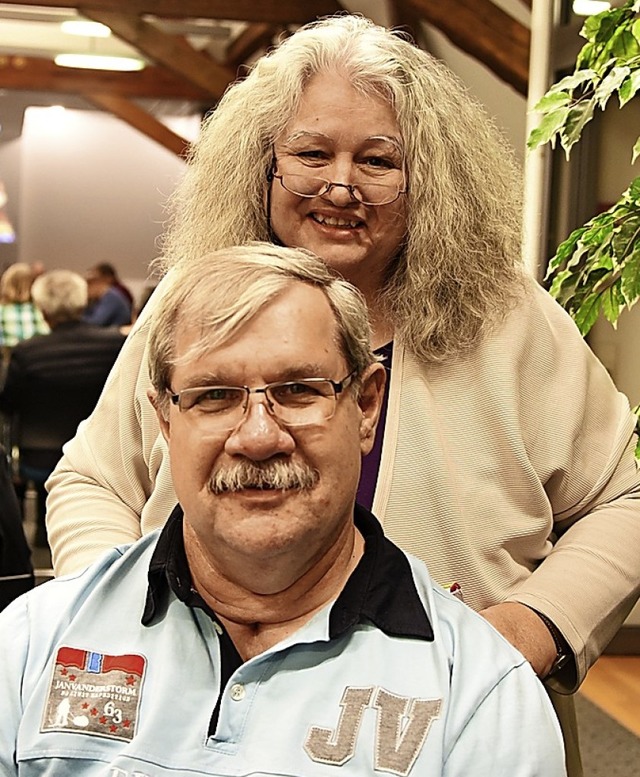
(511, 471)
(580, 434)
(106, 482)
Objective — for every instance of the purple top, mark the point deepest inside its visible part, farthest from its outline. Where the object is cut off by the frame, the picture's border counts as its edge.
(371, 462)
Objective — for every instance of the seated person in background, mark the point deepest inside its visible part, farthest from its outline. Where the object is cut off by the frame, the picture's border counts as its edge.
(108, 305)
(54, 381)
(108, 271)
(19, 318)
(269, 628)
(16, 570)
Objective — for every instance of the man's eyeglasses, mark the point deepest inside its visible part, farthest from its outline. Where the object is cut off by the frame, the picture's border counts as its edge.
(366, 192)
(304, 402)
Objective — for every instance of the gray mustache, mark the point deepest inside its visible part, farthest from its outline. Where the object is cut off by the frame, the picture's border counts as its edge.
(278, 475)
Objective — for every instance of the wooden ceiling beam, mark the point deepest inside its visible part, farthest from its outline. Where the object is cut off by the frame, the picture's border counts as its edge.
(251, 40)
(42, 75)
(170, 51)
(484, 31)
(141, 120)
(271, 11)
(404, 16)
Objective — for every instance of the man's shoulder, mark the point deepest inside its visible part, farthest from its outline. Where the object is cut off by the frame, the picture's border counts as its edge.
(117, 575)
(24, 349)
(461, 631)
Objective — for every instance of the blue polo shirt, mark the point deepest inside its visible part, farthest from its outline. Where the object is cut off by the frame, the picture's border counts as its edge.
(123, 671)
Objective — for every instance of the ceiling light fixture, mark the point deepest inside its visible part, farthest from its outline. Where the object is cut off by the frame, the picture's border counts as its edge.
(590, 7)
(97, 62)
(88, 29)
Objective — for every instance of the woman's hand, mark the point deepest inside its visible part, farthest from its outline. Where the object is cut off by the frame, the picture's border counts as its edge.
(525, 630)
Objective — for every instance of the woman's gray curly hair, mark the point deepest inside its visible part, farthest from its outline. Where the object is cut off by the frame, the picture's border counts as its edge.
(459, 268)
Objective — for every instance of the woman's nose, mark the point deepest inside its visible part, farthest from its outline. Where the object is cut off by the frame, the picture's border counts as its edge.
(340, 194)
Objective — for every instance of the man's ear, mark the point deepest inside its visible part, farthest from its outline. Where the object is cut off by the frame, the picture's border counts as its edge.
(163, 419)
(370, 401)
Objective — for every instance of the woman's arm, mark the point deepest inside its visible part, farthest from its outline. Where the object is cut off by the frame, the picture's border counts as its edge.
(108, 472)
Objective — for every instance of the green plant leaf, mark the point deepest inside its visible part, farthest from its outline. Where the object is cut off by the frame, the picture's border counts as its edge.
(569, 83)
(552, 100)
(611, 305)
(585, 55)
(568, 251)
(629, 87)
(610, 84)
(587, 315)
(625, 236)
(636, 151)
(548, 128)
(630, 278)
(576, 118)
(625, 44)
(636, 411)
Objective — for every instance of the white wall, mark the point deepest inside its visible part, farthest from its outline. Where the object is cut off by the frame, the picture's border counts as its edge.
(10, 175)
(503, 103)
(92, 189)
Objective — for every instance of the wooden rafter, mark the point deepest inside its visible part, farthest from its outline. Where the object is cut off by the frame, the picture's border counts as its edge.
(404, 16)
(37, 74)
(171, 51)
(143, 121)
(271, 11)
(251, 40)
(485, 31)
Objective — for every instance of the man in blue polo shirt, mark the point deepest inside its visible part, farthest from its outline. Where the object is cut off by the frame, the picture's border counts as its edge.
(269, 628)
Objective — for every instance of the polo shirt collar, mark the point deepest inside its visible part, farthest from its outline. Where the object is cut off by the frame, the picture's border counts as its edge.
(381, 589)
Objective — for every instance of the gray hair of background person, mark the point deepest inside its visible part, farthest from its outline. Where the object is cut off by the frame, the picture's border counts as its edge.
(15, 284)
(459, 269)
(61, 295)
(223, 290)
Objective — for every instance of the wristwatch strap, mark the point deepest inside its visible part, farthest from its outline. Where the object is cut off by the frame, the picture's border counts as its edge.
(563, 654)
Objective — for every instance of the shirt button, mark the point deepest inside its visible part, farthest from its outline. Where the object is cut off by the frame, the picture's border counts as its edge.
(237, 692)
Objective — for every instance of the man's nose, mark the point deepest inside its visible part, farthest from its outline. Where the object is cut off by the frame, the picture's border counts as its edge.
(259, 436)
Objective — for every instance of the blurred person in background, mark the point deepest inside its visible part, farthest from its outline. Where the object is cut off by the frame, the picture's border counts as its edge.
(16, 568)
(109, 271)
(53, 381)
(19, 317)
(109, 305)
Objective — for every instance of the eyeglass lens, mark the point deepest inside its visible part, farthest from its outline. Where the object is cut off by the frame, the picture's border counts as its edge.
(367, 193)
(301, 403)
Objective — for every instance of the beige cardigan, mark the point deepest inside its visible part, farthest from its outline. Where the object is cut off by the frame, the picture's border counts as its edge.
(482, 459)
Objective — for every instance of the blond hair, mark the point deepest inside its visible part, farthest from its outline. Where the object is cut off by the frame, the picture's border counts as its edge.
(15, 284)
(220, 292)
(459, 269)
(60, 295)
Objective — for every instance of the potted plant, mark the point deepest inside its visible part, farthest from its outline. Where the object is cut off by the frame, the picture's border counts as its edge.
(597, 268)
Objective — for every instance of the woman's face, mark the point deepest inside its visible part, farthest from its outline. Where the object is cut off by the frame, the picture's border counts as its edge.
(345, 137)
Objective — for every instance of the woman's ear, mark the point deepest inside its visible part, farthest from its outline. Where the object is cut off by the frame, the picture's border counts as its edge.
(370, 401)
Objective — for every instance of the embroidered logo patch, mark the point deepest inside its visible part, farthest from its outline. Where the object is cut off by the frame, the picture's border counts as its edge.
(93, 693)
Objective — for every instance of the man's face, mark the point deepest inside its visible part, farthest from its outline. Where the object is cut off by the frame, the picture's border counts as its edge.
(95, 286)
(293, 337)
